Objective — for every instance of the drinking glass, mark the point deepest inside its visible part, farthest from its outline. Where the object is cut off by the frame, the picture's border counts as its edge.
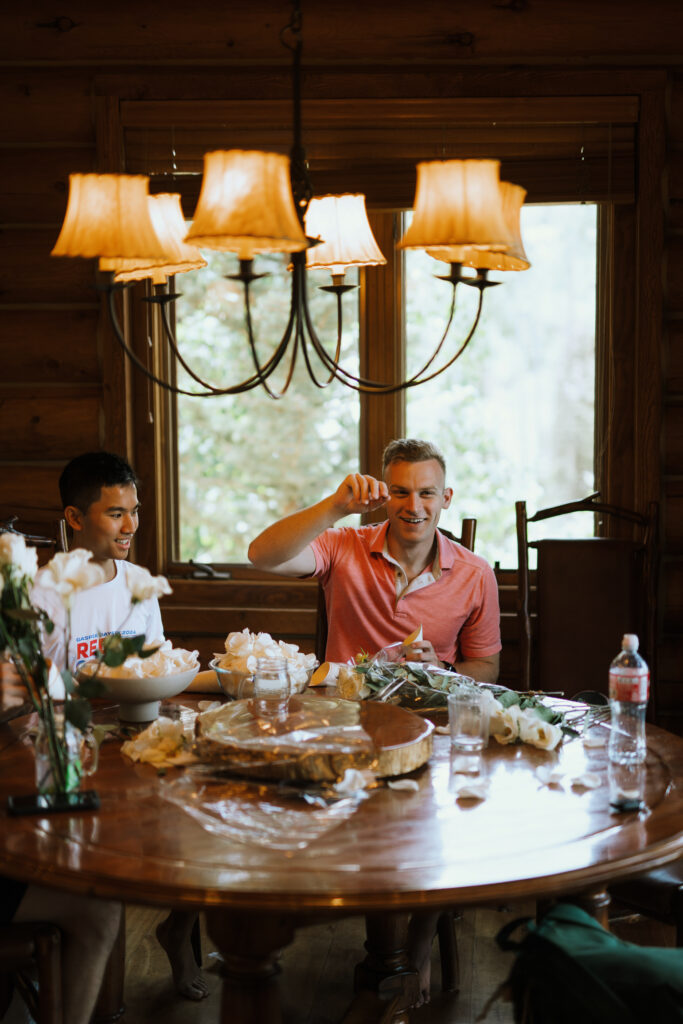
(272, 687)
(469, 721)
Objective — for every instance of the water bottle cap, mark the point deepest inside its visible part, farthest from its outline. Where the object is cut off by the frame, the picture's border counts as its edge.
(630, 642)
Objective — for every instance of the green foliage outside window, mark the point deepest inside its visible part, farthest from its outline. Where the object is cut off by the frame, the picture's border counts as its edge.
(246, 460)
(515, 414)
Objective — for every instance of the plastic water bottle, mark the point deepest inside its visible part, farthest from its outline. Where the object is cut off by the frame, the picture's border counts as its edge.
(629, 686)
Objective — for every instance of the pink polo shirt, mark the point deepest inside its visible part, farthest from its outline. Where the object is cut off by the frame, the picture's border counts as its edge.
(458, 611)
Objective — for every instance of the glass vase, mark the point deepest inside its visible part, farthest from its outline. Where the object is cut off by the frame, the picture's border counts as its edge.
(63, 756)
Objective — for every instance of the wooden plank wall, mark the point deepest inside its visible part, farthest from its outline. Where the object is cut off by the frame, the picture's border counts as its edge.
(62, 391)
(670, 682)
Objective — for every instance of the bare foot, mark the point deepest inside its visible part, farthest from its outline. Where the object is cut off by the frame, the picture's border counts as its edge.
(174, 937)
(421, 934)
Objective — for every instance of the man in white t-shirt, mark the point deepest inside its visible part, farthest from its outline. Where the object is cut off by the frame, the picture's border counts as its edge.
(103, 518)
(100, 501)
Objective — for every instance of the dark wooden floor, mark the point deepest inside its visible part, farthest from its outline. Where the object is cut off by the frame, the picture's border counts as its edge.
(317, 971)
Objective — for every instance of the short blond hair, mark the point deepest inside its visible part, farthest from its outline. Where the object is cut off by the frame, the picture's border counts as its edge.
(411, 449)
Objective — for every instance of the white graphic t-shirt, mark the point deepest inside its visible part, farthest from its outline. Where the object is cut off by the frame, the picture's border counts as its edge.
(96, 613)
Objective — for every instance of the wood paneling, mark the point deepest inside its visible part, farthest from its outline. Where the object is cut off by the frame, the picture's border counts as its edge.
(673, 357)
(672, 517)
(37, 346)
(45, 107)
(36, 182)
(674, 275)
(673, 439)
(28, 274)
(564, 31)
(270, 593)
(672, 595)
(31, 486)
(50, 426)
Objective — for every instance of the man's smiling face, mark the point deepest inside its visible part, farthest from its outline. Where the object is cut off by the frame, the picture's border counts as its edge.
(417, 496)
(109, 524)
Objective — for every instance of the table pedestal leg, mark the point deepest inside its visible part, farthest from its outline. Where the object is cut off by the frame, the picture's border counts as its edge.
(386, 968)
(250, 945)
(595, 901)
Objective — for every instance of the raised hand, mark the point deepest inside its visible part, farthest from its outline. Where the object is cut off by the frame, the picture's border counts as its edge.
(358, 493)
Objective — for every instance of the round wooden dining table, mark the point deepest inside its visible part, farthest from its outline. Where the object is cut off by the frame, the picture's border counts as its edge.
(397, 851)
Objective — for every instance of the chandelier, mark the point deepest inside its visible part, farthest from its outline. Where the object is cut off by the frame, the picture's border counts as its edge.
(254, 202)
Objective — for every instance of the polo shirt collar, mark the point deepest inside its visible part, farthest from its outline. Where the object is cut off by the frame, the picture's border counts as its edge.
(378, 545)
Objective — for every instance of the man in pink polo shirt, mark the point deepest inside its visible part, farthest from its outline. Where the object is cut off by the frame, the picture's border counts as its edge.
(383, 581)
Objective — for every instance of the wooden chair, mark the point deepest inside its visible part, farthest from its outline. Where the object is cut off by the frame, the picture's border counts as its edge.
(593, 591)
(59, 542)
(466, 538)
(659, 894)
(22, 947)
(588, 594)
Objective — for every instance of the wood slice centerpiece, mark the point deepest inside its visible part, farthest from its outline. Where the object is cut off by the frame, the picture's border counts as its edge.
(320, 738)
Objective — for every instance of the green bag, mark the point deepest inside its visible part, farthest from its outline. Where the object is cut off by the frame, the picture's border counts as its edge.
(568, 969)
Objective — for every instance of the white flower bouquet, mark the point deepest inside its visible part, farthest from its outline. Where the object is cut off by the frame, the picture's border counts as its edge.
(22, 628)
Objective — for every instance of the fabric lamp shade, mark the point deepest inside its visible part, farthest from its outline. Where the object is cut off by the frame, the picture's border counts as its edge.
(483, 259)
(458, 203)
(347, 239)
(180, 257)
(108, 215)
(246, 205)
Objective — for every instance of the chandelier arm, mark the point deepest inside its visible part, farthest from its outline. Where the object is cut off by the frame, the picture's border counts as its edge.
(422, 380)
(138, 362)
(172, 388)
(246, 385)
(418, 376)
(372, 387)
(173, 345)
(262, 373)
(302, 293)
(356, 383)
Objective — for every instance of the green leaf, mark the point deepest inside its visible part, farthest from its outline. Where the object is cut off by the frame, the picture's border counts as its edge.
(24, 614)
(114, 653)
(91, 686)
(134, 644)
(147, 652)
(508, 698)
(68, 680)
(78, 712)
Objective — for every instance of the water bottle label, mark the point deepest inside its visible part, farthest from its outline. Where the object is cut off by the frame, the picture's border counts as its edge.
(629, 684)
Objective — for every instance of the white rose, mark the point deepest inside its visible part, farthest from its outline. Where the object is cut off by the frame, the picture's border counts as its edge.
(21, 560)
(70, 572)
(504, 724)
(537, 732)
(144, 585)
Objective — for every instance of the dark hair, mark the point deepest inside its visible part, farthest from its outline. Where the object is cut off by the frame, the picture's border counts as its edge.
(84, 477)
(411, 449)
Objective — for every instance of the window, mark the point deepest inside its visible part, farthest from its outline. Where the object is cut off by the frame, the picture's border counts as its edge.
(515, 414)
(245, 460)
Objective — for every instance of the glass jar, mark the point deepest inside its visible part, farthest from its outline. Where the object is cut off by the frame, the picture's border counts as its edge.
(272, 687)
